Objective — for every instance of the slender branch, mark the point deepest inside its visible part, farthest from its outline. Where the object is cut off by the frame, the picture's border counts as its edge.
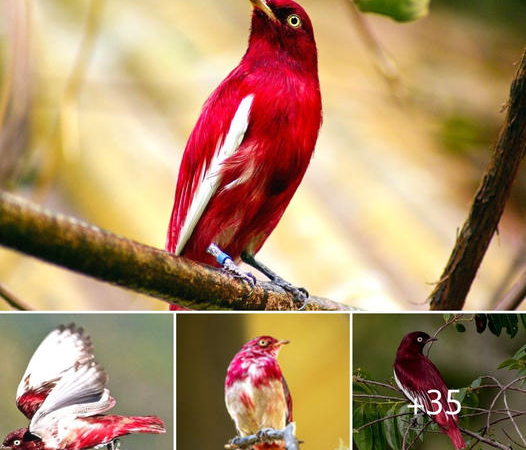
(84, 248)
(12, 300)
(357, 379)
(488, 205)
(382, 61)
(485, 440)
(287, 434)
(453, 319)
(514, 297)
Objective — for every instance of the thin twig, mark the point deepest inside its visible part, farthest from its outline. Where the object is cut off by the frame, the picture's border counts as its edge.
(12, 300)
(357, 379)
(454, 318)
(383, 63)
(514, 297)
(485, 440)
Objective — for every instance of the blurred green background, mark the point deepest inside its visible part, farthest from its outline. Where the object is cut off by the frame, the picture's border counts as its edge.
(315, 365)
(460, 357)
(98, 97)
(136, 350)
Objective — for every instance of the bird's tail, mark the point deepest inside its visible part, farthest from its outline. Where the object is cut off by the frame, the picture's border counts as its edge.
(147, 424)
(454, 434)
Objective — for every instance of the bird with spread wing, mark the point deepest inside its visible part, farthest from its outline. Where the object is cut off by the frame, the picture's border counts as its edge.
(63, 393)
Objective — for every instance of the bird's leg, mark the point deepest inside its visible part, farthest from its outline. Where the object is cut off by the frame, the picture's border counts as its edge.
(113, 445)
(263, 434)
(300, 294)
(230, 266)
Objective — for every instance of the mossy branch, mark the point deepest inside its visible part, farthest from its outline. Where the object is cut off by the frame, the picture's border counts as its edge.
(87, 249)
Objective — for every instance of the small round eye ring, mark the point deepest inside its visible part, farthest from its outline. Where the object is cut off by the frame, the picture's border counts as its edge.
(419, 338)
(17, 442)
(294, 21)
(263, 342)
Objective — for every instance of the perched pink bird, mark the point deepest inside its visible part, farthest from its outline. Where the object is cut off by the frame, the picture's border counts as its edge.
(251, 146)
(63, 395)
(256, 394)
(415, 375)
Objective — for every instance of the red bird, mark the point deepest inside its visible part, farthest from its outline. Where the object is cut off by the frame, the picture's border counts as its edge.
(415, 375)
(251, 146)
(63, 394)
(256, 393)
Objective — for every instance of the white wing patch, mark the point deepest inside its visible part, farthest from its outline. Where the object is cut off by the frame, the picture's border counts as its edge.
(210, 179)
(63, 348)
(79, 393)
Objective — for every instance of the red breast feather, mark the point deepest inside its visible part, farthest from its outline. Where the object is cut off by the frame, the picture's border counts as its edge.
(256, 393)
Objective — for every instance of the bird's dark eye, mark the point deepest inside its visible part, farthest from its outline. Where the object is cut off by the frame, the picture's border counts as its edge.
(17, 442)
(419, 339)
(294, 21)
(263, 342)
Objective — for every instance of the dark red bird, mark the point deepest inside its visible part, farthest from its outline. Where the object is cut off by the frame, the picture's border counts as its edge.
(63, 395)
(256, 393)
(251, 145)
(415, 375)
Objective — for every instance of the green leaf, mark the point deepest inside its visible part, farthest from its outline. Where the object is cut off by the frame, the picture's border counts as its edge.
(521, 352)
(476, 382)
(446, 317)
(399, 10)
(507, 363)
(461, 394)
(460, 328)
(511, 322)
(390, 430)
(494, 324)
(523, 320)
(378, 436)
(363, 439)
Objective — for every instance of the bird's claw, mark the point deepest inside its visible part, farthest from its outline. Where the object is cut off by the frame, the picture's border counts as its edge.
(301, 295)
(232, 268)
(263, 433)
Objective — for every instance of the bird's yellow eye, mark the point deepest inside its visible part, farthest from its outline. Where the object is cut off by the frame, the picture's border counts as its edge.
(263, 342)
(294, 21)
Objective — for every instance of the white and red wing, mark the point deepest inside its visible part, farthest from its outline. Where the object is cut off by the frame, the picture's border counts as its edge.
(64, 348)
(200, 173)
(81, 392)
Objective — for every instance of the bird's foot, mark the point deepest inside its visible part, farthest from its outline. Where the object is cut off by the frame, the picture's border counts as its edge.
(113, 445)
(263, 433)
(230, 266)
(300, 294)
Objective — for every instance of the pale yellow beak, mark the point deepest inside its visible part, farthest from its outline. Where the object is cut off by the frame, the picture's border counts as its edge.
(280, 343)
(262, 6)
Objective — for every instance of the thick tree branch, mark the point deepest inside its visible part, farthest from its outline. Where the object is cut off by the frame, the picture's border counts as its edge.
(287, 434)
(67, 242)
(487, 208)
